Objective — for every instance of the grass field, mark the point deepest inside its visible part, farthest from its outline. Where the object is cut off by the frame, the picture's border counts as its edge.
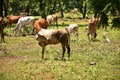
(20, 57)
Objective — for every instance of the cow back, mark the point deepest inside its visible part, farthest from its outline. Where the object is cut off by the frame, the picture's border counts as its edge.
(40, 23)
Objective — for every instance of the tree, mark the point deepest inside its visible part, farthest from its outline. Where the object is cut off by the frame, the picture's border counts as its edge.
(1, 8)
(103, 7)
(113, 6)
(97, 6)
(54, 6)
(6, 7)
(42, 8)
(84, 9)
(61, 10)
(82, 6)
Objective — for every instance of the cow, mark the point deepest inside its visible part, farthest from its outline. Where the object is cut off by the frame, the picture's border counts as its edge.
(54, 36)
(74, 29)
(92, 26)
(40, 23)
(3, 24)
(13, 19)
(52, 19)
(23, 21)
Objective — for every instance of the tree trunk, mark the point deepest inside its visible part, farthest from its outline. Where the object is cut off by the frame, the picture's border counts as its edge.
(1, 8)
(28, 7)
(6, 7)
(62, 15)
(85, 10)
(95, 15)
(53, 9)
(42, 8)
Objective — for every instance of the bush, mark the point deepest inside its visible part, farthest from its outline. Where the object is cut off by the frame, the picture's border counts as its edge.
(115, 23)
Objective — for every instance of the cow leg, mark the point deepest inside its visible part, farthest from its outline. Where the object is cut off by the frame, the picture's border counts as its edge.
(95, 34)
(43, 49)
(68, 48)
(15, 31)
(49, 24)
(88, 36)
(57, 24)
(18, 28)
(2, 36)
(92, 36)
(63, 48)
(76, 35)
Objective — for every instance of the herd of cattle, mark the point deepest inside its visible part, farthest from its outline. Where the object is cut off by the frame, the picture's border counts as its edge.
(47, 36)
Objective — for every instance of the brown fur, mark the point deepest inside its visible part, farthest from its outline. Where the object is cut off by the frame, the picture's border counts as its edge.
(40, 23)
(13, 19)
(92, 26)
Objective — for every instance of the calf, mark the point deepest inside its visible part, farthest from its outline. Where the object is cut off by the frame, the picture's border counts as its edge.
(52, 19)
(92, 26)
(52, 36)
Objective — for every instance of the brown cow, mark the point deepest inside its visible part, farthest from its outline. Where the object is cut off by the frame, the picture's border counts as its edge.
(13, 19)
(92, 26)
(2, 26)
(40, 23)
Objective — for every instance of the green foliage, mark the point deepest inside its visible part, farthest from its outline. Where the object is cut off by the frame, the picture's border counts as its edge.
(85, 7)
(103, 7)
(18, 6)
(97, 6)
(103, 20)
(116, 23)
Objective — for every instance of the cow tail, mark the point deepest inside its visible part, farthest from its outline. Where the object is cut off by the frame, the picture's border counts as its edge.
(68, 35)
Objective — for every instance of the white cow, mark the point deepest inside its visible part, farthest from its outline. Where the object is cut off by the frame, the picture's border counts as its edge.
(52, 19)
(23, 21)
(74, 29)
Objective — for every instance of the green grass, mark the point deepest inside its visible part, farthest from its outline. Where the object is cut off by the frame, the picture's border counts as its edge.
(20, 58)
